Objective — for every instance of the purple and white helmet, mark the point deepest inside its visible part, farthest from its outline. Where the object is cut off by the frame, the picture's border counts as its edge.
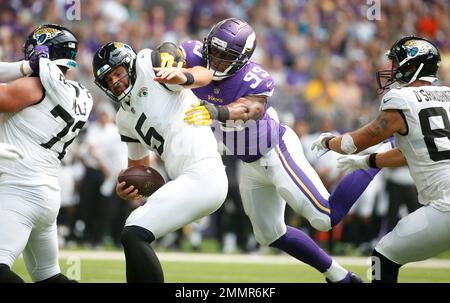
(228, 47)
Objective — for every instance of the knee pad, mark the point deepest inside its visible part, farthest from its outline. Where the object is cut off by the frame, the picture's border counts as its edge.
(267, 238)
(383, 269)
(135, 234)
(321, 224)
(262, 240)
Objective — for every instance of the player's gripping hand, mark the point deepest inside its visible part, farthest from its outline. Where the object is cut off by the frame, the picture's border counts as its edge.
(10, 152)
(39, 51)
(170, 75)
(351, 163)
(319, 145)
(127, 193)
(203, 113)
(167, 73)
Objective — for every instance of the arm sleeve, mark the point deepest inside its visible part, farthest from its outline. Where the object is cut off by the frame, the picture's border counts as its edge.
(10, 71)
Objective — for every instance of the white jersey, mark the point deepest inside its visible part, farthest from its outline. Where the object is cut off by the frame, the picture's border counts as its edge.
(154, 117)
(426, 145)
(44, 130)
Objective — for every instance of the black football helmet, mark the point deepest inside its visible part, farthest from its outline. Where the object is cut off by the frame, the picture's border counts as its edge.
(61, 42)
(107, 58)
(413, 58)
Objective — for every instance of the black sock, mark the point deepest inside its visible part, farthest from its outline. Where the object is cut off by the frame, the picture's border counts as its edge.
(8, 276)
(58, 278)
(141, 261)
(383, 269)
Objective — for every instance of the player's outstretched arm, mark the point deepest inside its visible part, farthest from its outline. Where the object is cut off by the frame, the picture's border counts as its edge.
(194, 77)
(19, 94)
(391, 158)
(385, 125)
(10, 71)
(247, 108)
(243, 109)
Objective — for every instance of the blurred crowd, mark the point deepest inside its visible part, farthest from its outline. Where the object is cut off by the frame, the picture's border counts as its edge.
(323, 56)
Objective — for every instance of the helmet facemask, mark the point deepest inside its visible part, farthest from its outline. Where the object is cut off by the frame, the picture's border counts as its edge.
(389, 75)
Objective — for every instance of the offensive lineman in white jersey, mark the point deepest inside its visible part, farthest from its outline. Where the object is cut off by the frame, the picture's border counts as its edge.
(10, 71)
(151, 118)
(42, 115)
(417, 114)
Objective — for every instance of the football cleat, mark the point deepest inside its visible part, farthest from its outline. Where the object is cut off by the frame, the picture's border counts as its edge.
(349, 278)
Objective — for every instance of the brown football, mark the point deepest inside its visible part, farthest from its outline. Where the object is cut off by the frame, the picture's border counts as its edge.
(146, 179)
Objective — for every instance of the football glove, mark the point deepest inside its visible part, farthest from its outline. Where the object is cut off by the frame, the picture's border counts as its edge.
(10, 152)
(203, 113)
(39, 51)
(319, 147)
(351, 163)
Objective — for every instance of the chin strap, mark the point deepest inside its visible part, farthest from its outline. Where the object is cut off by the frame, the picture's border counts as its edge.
(429, 79)
(66, 62)
(414, 77)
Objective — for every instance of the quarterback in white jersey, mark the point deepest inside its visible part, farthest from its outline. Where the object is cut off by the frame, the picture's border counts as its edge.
(417, 114)
(41, 117)
(151, 118)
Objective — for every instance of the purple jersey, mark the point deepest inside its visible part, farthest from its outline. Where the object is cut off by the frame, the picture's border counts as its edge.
(252, 139)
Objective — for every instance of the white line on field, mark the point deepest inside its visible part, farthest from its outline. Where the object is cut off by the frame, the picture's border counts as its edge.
(238, 258)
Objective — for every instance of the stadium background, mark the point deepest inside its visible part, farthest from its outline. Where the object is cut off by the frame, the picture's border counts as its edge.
(322, 55)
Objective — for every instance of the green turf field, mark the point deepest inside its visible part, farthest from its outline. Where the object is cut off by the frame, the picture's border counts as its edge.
(114, 271)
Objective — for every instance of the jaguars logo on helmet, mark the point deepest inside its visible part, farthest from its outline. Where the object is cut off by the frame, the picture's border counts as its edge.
(413, 58)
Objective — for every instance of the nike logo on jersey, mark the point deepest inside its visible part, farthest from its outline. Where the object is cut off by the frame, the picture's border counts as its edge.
(268, 84)
(386, 100)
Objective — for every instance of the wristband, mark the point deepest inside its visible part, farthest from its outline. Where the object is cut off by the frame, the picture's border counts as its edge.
(189, 79)
(327, 142)
(223, 114)
(373, 161)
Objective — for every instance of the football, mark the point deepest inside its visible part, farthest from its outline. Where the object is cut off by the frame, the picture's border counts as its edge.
(146, 179)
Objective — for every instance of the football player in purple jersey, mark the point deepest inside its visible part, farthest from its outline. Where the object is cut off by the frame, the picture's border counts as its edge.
(275, 170)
